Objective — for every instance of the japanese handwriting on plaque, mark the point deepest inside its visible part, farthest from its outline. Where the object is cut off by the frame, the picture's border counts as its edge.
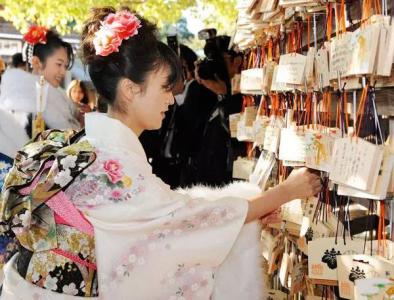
(291, 68)
(356, 163)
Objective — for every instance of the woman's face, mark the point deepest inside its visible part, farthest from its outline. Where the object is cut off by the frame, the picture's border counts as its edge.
(77, 94)
(149, 106)
(55, 67)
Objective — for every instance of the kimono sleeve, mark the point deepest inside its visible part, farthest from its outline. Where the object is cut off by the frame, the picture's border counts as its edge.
(175, 252)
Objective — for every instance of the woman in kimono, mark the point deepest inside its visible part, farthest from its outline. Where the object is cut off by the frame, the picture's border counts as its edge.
(48, 56)
(95, 222)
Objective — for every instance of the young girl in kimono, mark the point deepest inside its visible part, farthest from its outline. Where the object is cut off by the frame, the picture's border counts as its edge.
(49, 56)
(100, 224)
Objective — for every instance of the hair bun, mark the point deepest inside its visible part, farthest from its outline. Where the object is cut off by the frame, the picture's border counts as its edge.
(133, 58)
(91, 26)
(52, 34)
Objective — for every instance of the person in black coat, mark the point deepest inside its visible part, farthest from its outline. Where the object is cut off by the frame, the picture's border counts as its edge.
(220, 150)
(173, 150)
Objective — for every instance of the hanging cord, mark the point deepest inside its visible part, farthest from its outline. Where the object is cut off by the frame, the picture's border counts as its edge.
(327, 108)
(367, 10)
(343, 218)
(378, 130)
(323, 204)
(377, 7)
(263, 107)
(382, 242)
(368, 225)
(347, 218)
(341, 18)
(329, 13)
(297, 108)
(361, 110)
(342, 120)
(308, 18)
(307, 114)
(314, 31)
(275, 104)
(270, 47)
(283, 172)
(368, 125)
(299, 31)
(344, 108)
(250, 150)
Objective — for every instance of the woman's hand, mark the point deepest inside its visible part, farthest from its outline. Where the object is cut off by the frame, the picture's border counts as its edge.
(84, 108)
(302, 183)
(272, 217)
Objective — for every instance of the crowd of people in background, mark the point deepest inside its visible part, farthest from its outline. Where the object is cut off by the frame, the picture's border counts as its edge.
(194, 145)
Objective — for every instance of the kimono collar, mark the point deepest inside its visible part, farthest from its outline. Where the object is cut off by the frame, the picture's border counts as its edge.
(111, 132)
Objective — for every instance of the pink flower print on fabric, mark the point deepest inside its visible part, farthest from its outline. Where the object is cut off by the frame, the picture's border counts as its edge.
(113, 169)
(159, 240)
(190, 282)
(116, 194)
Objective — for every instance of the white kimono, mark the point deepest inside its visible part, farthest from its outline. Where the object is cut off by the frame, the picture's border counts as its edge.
(12, 135)
(152, 242)
(18, 95)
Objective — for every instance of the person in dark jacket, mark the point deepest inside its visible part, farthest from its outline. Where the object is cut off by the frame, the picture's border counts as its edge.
(197, 102)
(220, 150)
(173, 150)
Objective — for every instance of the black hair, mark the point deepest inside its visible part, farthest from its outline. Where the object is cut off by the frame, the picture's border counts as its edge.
(54, 42)
(137, 57)
(189, 56)
(102, 104)
(17, 60)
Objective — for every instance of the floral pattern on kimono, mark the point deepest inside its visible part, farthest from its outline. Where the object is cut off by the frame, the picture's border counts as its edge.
(105, 180)
(156, 236)
(189, 281)
(186, 280)
(49, 165)
(75, 279)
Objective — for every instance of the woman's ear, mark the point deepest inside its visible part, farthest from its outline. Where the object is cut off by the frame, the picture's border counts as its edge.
(128, 90)
(36, 64)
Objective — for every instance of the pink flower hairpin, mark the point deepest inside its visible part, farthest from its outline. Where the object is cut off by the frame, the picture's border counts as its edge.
(115, 28)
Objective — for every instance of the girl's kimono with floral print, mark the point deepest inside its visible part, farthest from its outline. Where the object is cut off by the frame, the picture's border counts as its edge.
(149, 242)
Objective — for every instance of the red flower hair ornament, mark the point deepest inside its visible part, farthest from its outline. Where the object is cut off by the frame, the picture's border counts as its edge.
(36, 35)
(115, 28)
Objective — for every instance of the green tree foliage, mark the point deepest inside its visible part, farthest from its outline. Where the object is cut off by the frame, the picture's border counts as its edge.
(182, 30)
(68, 15)
(220, 14)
